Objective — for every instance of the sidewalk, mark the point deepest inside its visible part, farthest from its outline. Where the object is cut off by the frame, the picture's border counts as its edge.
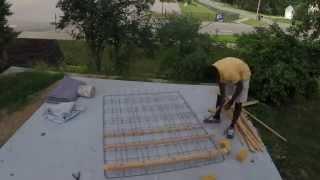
(45, 35)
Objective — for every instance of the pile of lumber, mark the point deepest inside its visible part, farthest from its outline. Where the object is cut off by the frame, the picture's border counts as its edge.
(248, 133)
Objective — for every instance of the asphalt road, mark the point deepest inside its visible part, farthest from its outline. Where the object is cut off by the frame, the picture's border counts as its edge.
(214, 28)
(243, 13)
(166, 7)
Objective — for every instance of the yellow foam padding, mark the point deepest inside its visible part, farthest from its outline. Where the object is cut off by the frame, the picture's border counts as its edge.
(209, 177)
(242, 155)
(225, 144)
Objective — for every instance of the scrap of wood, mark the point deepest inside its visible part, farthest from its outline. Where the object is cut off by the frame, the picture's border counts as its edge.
(247, 133)
(239, 135)
(265, 125)
(250, 103)
(248, 139)
(194, 156)
(251, 138)
(158, 130)
(159, 142)
(250, 126)
(250, 147)
(253, 131)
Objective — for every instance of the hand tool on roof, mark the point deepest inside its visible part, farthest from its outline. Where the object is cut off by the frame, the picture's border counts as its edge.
(76, 176)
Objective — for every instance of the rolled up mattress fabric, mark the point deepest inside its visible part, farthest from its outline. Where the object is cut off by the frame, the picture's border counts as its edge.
(86, 91)
(66, 91)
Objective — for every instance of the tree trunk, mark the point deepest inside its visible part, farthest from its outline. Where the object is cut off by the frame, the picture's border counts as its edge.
(3, 59)
(96, 54)
(116, 59)
(98, 61)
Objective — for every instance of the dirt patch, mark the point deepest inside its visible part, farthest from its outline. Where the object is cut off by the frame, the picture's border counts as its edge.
(11, 122)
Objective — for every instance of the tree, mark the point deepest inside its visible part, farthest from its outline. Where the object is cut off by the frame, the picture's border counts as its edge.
(187, 52)
(307, 21)
(283, 66)
(103, 24)
(7, 34)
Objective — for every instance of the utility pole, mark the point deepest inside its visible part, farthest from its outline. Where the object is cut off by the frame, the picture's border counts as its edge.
(258, 9)
(162, 7)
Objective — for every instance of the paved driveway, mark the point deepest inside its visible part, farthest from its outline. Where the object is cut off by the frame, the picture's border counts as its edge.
(243, 13)
(214, 28)
(167, 7)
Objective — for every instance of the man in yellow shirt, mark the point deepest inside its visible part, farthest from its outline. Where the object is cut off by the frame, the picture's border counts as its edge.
(233, 76)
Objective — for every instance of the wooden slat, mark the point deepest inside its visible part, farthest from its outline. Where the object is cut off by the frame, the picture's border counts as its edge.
(266, 126)
(250, 126)
(199, 155)
(249, 136)
(250, 103)
(249, 143)
(247, 133)
(158, 142)
(159, 130)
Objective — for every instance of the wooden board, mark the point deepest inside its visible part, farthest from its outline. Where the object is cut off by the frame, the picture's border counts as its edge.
(158, 142)
(159, 130)
(199, 155)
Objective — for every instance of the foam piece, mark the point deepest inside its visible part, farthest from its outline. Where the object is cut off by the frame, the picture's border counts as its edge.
(242, 155)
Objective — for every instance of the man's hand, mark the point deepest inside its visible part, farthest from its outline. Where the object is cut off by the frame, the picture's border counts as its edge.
(228, 105)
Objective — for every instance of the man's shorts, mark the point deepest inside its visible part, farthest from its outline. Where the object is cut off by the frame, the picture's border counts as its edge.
(243, 96)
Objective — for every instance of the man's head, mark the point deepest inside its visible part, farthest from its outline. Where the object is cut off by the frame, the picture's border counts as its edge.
(216, 74)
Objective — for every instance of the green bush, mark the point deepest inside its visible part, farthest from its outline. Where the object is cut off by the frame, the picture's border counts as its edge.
(192, 67)
(15, 89)
(187, 52)
(283, 66)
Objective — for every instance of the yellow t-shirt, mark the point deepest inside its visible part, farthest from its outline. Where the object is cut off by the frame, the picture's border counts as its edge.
(232, 70)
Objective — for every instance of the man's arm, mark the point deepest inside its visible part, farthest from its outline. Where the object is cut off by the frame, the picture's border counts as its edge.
(222, 87)
(220, 100)
(239, 88)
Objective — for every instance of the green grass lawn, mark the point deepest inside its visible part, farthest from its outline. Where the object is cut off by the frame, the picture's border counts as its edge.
(300, 123)
(224, 38)
(255, 23)
(77, 58)
(198, 11)
(140, 67)
(280, 20)
(16, 89)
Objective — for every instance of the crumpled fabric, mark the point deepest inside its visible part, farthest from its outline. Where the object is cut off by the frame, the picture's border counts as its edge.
(62, 112)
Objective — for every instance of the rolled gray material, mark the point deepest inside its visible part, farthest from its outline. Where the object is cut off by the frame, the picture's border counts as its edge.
(86, 91)
(66, 91)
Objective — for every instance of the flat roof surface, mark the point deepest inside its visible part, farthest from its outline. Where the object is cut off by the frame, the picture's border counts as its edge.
(77, 146)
